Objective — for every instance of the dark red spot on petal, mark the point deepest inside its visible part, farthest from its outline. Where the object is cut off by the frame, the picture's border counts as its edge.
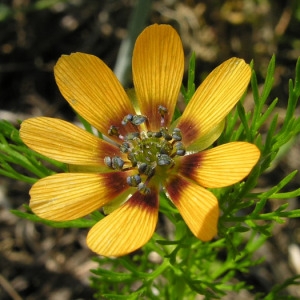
(107, 149)
(189, 130)
(174, 187)
(153, 118)
(124, 129)
(115, 182)
(189, 164)
(145, 201)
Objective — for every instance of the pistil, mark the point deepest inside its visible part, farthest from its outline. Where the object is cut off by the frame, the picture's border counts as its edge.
(146, 150)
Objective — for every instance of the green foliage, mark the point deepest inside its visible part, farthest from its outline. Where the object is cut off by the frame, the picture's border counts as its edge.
(181, 267)
(14, 154)
(78, 223)
(189, 91)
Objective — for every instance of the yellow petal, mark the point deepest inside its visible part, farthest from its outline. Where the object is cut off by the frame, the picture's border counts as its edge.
(157, 66)
(113, 205)
(220, 166)
(69, 196)
(207, 140)
(127, 228)
(93, 91)
(65, 142)
(214, 98)
(198, 207)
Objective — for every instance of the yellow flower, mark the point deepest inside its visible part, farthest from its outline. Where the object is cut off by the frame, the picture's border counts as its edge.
(142, 152)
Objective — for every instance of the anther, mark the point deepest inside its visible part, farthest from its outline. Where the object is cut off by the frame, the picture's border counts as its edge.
(138, 120)
(124, 148)
(180, 150)
(134, 180)
(176, 134)
(165, 134)
(115, 162)
(166, 148)
(164, 160)
(132, 157)
(143, 188)
(162, 111)
(146, 169)
(127, 119)
(107, 161)
(142, 168)
(113, 130)
(157, 134)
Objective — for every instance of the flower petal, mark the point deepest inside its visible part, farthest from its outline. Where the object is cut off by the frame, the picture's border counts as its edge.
(93, 91)
(65, 142)
(198, 207)
(207, 139)
(127, 228)
(220, 166)
(157, 65)
(68, 196)
(214, 98)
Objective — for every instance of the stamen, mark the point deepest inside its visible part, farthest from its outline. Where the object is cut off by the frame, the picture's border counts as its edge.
(165, 134)
(176, 134)
(157, 134)
(138, 120)
(164, 160)
(134, 180)
(180, 150)
(127, 119)
(146, 169)
(114, 162)
(162, 111)
(132, 157)
(142, 167)
(113, 130)
(146, 149)
(107, 161)
(134, 119)
(117, 163)
(143, 188)
(124, 148)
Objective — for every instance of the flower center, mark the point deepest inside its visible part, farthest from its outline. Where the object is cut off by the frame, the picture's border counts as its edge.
(148, 152)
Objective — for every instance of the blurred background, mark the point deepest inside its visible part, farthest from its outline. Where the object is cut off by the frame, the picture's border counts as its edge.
(38, 262)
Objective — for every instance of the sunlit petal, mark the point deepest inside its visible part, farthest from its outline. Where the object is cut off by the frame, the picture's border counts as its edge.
(214, 98)
(157, 64)
(198, 207)
(68, 196)
(127, 228)
(65, 142)
(220, 166)
(93, 91)
(206, 140)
